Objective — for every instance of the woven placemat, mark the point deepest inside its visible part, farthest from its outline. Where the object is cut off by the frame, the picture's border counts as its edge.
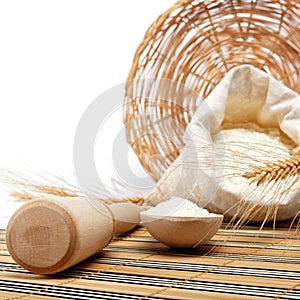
(242, 265)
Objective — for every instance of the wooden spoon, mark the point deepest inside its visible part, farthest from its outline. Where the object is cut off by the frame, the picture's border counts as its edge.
(180, 231)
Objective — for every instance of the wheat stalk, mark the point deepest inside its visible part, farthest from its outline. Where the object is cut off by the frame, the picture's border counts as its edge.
(60, 192)
(275, 171)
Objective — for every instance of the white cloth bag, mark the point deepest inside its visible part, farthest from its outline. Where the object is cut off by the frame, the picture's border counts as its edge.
(246, 95)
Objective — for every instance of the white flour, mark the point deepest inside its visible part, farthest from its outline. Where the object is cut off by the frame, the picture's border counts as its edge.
(178, 207)
(245, 149)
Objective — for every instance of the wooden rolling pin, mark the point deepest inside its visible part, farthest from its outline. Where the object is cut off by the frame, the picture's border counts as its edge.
(49, 235)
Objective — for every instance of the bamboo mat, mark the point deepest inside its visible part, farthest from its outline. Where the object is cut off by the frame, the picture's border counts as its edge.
(135, 266)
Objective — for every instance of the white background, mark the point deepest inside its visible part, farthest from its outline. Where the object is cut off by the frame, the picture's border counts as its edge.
(56, 57)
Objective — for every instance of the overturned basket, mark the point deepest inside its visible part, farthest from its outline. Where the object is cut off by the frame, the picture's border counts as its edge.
(195, 43)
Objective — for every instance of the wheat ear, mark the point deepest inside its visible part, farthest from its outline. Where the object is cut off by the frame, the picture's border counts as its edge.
(275, 171)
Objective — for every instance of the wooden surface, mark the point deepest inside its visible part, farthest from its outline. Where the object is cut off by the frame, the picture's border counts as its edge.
(135, 266)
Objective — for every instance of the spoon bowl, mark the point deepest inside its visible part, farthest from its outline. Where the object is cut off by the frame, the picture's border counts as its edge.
(182, 231)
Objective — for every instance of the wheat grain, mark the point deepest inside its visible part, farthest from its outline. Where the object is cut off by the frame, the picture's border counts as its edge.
(276, 171)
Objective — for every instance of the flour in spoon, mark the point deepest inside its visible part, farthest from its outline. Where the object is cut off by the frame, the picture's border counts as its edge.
(178, 207)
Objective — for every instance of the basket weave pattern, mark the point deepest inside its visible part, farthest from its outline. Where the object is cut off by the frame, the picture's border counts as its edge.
(195, 43)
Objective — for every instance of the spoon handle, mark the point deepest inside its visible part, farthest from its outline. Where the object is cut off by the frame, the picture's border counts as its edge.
(49, 235)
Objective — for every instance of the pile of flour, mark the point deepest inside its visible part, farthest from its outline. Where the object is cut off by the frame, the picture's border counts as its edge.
(245, 148)
(178, 207)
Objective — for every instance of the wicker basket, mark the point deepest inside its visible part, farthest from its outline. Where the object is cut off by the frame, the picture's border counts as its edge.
(195, 43)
